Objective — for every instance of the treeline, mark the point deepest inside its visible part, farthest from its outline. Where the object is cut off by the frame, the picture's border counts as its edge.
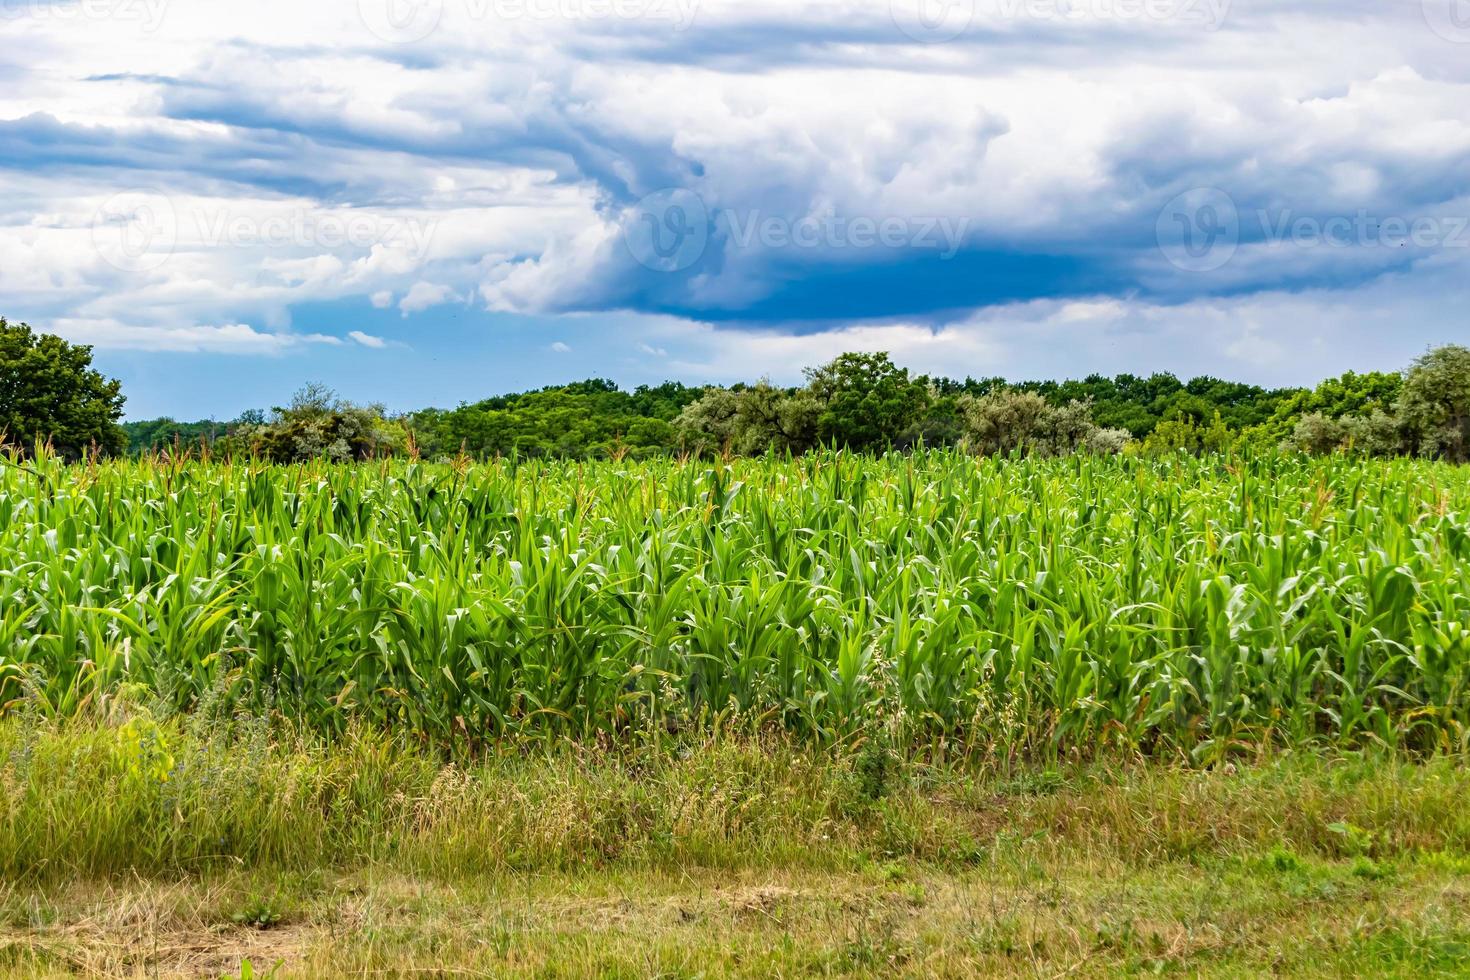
(866, 403)
(50, 393)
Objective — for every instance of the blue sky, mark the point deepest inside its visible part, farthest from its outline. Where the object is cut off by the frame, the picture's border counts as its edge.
(428, 201)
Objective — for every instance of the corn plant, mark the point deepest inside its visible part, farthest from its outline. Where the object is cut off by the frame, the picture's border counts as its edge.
(1205, 606)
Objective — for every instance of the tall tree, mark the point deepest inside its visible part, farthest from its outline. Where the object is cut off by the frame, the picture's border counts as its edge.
(50, 391)
(867, 402)
(1434, 406)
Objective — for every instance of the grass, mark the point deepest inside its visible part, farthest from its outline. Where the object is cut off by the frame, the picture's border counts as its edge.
(717, 857)
(1009, 919)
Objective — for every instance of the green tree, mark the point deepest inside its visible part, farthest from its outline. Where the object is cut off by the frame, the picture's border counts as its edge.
(709, 423)
(1185, 434)
(586, 419)
(749, 421)
(867, 403)
(319, 425)
(1434, 406)
(1350, 394)
(1317, 433)
(1374, 434)
(1004, 421)
(50, 391)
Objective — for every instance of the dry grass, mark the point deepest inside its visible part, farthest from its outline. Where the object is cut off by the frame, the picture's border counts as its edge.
(1012, 918)
(722, 858)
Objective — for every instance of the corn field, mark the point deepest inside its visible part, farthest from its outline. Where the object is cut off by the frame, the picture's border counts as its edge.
(1044, 606)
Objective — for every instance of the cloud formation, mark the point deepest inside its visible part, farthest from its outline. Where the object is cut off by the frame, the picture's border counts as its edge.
(791, 178)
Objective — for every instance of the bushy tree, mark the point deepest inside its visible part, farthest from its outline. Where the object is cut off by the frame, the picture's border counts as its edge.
(49, 391)
(1185, 434)
(1317, 433)
(586, 419)
(1007, 421)
(710, 422)
(867, 403)
(1068, 428)
(750, 421)
(1374, 434)
(771, 419)
(858, 401)
(1106, 442)
(1434, 406)
(319, 425)
(1350, 394)
(1003, 421)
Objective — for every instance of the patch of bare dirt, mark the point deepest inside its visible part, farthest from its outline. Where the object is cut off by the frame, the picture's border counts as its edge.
(205, 953)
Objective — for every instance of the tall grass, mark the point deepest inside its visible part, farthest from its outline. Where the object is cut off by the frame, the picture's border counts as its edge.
(1037, 606)
(79, 800)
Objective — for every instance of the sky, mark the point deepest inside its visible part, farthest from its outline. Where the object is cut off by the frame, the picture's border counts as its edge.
(423, 202)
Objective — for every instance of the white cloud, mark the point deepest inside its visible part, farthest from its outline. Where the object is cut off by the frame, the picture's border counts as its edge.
(561, 348)
(423, 295)
(367, 339)
(1087, 312)
(705, 352)
(234, 338)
